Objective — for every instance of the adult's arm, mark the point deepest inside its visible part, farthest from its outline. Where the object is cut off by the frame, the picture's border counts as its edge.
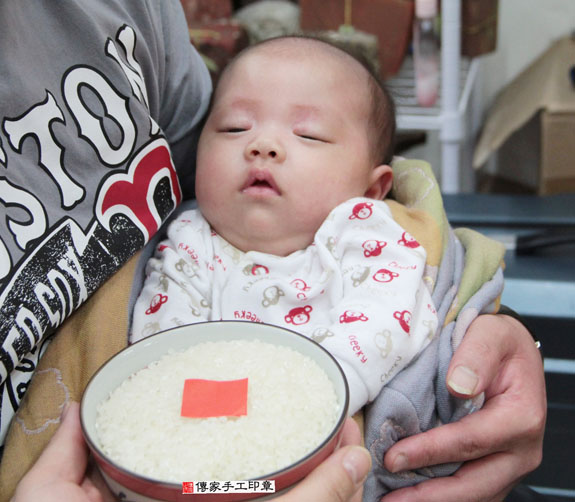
(500, 443)
(185, 90)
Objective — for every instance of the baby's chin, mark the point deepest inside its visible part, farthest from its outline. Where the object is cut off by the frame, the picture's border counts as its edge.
(280, 246)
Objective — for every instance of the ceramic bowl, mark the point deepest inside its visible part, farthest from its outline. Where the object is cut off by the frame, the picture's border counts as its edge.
(133, 487)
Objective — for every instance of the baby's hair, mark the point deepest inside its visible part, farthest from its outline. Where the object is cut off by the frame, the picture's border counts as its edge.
(382, 116)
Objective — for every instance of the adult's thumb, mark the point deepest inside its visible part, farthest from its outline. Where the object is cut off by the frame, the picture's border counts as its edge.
(66, 455)
(337, 479)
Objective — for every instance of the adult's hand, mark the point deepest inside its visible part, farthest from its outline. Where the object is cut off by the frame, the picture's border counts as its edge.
(339, 478)
(500, 443)
(62, 471)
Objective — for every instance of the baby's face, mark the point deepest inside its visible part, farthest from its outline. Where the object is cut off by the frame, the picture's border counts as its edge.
(286, 141)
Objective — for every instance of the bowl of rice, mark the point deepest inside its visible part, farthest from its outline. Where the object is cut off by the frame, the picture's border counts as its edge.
(227, 411)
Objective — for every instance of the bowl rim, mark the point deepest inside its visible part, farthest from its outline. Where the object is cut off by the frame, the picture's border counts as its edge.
(173, 485)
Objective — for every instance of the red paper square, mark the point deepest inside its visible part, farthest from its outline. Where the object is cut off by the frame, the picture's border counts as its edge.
(215, 398)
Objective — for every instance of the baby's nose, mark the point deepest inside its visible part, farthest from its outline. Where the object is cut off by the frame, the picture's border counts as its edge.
(266, 149)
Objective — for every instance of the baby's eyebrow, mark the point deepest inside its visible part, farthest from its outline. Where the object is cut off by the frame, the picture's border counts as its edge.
(311, 112)
(242, 103)
(223, 109)
(306, 111)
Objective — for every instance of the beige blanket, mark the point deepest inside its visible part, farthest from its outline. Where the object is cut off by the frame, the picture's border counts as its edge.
(83, 343)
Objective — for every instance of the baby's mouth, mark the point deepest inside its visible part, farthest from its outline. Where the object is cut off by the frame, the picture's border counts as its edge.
(260, 183)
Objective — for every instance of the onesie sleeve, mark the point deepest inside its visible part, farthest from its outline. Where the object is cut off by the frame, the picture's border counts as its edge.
(385, 316)
(178, 284)
(186, 89)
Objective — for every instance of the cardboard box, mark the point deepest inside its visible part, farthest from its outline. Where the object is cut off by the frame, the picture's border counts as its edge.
(531, 125)
(391, 21)
(478, 27)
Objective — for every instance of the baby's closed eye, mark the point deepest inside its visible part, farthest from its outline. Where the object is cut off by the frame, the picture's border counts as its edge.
(312, 137)
(232, 129)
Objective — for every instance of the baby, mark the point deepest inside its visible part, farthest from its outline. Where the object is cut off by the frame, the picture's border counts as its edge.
(292, 164)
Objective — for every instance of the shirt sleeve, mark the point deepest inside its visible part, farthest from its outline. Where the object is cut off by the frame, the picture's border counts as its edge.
(187, 87)
(385, 315)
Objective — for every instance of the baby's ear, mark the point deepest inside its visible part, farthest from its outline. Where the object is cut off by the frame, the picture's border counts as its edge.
(381, 180)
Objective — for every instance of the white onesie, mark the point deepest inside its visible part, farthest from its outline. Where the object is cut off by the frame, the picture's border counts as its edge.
(358, 290)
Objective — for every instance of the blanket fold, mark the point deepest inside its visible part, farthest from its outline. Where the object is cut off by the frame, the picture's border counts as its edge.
(464, 274)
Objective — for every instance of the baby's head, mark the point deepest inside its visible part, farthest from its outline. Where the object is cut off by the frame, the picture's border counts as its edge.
(297, 126)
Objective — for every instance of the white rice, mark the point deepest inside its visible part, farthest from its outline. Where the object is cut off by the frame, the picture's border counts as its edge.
(292, 407)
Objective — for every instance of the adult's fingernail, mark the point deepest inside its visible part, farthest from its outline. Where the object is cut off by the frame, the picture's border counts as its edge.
(400, 463)
(357, 462)
(463, 380)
